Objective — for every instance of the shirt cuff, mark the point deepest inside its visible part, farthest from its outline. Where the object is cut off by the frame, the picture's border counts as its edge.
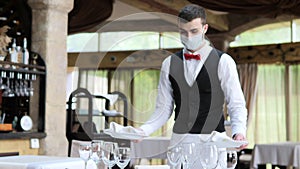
(147, 129)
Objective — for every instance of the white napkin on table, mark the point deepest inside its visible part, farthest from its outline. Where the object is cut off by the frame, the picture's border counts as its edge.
(221, 140)
(124, 132)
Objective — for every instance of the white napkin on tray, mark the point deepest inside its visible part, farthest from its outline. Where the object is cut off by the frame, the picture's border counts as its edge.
(221, 140)
(124, 132)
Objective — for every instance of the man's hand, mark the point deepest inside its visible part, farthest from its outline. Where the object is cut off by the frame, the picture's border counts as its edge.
(240, 137)
(142, 132)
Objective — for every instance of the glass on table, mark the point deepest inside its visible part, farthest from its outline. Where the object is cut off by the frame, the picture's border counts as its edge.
(97, 151)
(190, 152)
(110, 154)
(84, 152)
(209, 156)
(174, 156)
(228, 159)
(123, 155)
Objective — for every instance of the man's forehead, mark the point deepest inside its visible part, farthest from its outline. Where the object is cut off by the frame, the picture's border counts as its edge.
(195, 23)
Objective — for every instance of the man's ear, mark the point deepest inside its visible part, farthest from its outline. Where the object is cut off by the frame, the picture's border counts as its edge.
(205, 28)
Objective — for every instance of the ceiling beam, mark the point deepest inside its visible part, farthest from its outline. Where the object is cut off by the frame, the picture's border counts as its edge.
(171, 7)
(156, 25)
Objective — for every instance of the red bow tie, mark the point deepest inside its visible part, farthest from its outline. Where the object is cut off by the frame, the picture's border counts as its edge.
(191, 56)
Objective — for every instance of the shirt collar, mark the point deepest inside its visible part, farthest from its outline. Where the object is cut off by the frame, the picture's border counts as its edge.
(204, 51)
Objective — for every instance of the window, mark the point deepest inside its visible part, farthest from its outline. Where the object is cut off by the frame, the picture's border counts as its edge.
(282, 32)
(121, 41)
(118, 41)
(83, 42)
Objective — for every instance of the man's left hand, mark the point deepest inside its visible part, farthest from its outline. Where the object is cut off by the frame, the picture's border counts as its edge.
(240, 137)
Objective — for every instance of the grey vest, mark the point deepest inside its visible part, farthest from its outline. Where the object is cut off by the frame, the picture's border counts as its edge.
(199, 108)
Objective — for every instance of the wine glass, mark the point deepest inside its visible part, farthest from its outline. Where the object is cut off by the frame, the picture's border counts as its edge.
(84, 152)
(209, 156)
(97, 151)
(123, 155)
(231, 159)
(174, 155)
(189, 154)
(110, 154)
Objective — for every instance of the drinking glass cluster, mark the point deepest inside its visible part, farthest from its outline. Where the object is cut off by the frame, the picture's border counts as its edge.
(186, 154)
(16, 83)
(105, 151)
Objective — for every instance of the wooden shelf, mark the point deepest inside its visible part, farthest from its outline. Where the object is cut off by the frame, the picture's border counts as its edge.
(22, 135)
(22, 68)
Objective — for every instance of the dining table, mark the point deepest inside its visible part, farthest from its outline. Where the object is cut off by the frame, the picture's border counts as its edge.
(283, 154)
(150, 147)
(40, 162)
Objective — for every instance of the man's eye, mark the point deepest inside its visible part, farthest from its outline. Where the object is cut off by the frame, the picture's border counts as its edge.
(183, 33)
(194, 31)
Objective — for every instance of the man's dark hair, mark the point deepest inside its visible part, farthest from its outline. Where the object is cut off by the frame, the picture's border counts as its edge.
(190, 12)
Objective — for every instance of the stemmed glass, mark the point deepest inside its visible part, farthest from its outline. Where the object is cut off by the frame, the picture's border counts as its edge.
(97, 151)
(189, 154)
(110, 154)
(209, 156)
(230, 159)
(84, 152)
(174, 155)
(123, 155)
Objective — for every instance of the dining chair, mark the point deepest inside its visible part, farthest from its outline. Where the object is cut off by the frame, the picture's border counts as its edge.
(244, 159)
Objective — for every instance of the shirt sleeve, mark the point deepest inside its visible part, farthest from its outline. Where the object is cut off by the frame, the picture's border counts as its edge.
(234, 96)
(164, 101)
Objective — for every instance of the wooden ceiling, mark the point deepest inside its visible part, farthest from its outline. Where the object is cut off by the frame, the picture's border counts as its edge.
(216, 20)
(228, 23)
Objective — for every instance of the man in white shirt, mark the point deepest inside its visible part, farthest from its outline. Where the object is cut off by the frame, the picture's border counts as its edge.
(196, 80)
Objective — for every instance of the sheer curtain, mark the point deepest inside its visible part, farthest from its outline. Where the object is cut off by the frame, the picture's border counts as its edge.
(248, 80)
(120, 80)
(140, 87)
(268, 123)
(294, 93)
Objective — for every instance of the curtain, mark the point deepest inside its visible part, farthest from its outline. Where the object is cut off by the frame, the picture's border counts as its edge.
(120, 81)
(248, 80)
(140, 87)
(96, 83)
(268, 123)
(294, 94)
(145, 93)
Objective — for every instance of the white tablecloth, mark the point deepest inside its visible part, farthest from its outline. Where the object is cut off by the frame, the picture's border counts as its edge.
(40, 162)
(151, 147)
(284, 154)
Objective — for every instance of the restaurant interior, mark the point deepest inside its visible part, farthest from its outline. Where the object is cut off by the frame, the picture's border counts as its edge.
(72, 69)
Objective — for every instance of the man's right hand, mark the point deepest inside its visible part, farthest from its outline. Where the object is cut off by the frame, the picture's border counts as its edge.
(139, 140)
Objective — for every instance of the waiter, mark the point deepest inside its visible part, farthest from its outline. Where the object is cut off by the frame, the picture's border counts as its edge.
(196, 80)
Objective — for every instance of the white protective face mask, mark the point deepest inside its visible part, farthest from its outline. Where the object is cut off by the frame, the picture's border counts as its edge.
(192, 43)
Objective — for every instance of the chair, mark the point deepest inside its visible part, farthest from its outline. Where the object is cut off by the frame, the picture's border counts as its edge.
(244, 159)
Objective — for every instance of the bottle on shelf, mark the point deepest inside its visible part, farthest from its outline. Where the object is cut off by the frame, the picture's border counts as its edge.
(20, 55)
(25, 52)
(13, 52)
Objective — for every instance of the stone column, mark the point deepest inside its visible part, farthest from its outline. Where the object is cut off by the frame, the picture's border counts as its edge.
(49, 39)
(220, 41)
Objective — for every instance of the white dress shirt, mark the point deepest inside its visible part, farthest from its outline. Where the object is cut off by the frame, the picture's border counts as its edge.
(230, 85)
